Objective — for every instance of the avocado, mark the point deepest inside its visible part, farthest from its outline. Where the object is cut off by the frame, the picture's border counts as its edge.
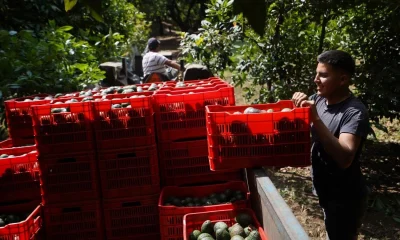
(125, 105)
(58, 110)
(189, 200)
(177, 202)
(190, 204)
(196, 200)
(222, 198)
(183, 202)
(194, 235)
(2, 222)
(3, 156)
(237, 237)
(203, 235)
(116, 106)
(220, 225)
(254, 235)
(86, 99)
(237, 230)
(12, 218)
(247, 231)
(128, 91)
(208, 238)
(228, 193)
(82, 93)
(239, 196)
(58, 95)
(233, 200)
(244, 219)
(251, 110)
(222, 234)
(207, 227)
(120, 90)
(214, 195)
(214, 201)
(204, 200)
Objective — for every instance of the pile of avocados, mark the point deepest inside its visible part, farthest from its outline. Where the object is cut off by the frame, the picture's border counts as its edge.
(243, 229)
(12, 218)
(227, 196)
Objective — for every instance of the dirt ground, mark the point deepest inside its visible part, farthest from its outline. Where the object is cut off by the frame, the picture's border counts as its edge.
(381, 166)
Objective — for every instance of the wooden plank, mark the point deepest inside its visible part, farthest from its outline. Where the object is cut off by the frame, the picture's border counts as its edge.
(274, 214)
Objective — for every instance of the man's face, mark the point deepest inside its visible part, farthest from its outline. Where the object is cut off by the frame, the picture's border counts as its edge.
(328, 80)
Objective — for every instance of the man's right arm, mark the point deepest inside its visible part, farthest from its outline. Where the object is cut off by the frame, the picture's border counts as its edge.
(173, 64)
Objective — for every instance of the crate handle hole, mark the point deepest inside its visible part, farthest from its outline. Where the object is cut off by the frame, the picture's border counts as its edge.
(126, 155)
(72, 209)
(66, 160)
(131, 204)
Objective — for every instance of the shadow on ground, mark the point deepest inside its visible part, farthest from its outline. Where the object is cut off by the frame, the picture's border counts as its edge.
(381, 167)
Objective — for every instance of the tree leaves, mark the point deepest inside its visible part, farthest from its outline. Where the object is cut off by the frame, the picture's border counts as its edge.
(69, 4)
(255, 13)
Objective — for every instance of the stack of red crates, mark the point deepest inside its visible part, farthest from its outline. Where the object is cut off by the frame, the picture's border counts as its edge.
(182, 140)
(20, 191)
(68, 170)
(182, 134)
(19, 118)
(277, 136)
(128, 166)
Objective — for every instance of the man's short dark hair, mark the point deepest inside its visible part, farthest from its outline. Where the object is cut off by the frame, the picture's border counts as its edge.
(339, 60)
(153, 43)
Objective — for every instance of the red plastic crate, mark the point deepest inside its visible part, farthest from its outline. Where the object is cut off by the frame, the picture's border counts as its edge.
(74, 220)
(144, 86)
(201, 81)
(214, 84)
(259, 139)
(182, 116)
(68, 178)
(26, 229)
(171, 217)
(194, 221)
(124, 127)
(19, 179)
(185, 163)
(66, 132)
(132, 218)
(8, 145)
(129, 172)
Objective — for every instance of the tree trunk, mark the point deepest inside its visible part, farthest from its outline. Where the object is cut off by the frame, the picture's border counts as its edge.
(325, 21)
(161, 26)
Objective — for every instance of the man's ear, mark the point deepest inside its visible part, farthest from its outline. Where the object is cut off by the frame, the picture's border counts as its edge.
(345, 79)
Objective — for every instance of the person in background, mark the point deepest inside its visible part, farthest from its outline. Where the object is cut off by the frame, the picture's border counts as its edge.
(339, 128)
(153, 62)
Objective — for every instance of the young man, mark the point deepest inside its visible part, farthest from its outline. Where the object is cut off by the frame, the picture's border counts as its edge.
(153, 62)
(339, 127)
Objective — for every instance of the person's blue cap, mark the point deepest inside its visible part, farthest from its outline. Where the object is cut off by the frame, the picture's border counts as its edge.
(153, 43)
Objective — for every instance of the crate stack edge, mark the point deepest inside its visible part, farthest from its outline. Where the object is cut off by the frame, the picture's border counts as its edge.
(68, 170)
(128, 165)
(20, 188)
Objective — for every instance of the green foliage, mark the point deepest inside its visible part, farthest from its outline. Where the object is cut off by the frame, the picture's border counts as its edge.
(52, 60)
(215, 44)
(272, 64)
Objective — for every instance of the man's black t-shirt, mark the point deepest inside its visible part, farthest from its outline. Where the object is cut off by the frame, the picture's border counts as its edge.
(330, 181)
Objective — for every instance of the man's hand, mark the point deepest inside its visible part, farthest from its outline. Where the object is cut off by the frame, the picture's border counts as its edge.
(314, 114)
(298, 98)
